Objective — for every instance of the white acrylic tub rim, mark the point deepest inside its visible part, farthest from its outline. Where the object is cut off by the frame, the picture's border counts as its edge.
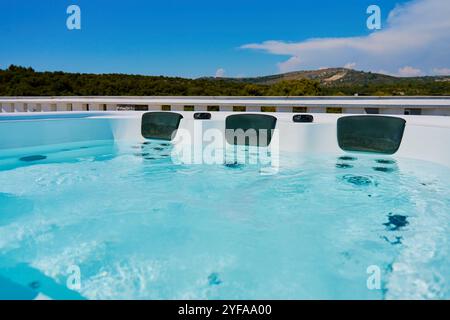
(425, 138)
(440, 121)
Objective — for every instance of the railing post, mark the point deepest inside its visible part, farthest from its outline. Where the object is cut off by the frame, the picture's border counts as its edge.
(94, 107)
(354, 110)
(154, 107)
(19, 107)
(253, 108)
(226, 108)
(314, 109)
(201, 107)
(177, 107)
(47, 107)
(6, 107)
(77, 106)
(34, 107)
(284, 109)
(62, 107)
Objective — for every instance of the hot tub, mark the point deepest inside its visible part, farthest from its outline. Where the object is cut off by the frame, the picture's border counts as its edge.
(104, 206)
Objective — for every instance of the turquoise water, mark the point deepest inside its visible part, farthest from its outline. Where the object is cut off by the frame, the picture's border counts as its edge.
(139, 226)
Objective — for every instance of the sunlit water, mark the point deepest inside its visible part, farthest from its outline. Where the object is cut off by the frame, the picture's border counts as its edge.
(139, 226)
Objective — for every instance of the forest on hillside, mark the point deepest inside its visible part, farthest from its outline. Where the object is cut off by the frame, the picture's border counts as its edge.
(21, 81)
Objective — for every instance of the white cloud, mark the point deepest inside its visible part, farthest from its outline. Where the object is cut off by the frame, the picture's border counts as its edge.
(442, 71)
(409, 71)
(382, 71)
(220, 73)
(291, 64)
(350, 65)
(416, 33)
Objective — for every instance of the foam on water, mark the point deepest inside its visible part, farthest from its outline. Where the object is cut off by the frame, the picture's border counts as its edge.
(140, 226)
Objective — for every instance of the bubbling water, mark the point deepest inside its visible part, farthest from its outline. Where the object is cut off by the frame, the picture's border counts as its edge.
(140, 226)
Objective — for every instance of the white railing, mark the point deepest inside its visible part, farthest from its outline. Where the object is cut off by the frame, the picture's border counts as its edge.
(355, 105)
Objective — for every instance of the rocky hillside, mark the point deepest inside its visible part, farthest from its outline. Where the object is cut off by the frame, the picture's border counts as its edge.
(338, 77)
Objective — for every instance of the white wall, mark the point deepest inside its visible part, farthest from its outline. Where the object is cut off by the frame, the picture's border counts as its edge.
(30, 133)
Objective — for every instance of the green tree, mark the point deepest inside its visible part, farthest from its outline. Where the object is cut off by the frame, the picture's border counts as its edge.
(303, 87)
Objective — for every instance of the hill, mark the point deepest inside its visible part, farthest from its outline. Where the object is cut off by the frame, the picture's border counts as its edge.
(20, 81)
(342, 81)
(338, 77)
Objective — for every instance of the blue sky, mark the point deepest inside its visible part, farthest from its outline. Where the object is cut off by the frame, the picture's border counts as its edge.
(196, 38)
